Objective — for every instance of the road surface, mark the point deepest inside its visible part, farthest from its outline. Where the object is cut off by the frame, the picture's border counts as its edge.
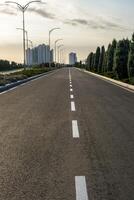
(67, 136)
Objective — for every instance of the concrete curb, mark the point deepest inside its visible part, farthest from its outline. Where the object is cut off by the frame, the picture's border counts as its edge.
(119, 83)
(12, 85)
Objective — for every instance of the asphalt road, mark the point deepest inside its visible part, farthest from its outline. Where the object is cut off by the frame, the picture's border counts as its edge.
(54, 146)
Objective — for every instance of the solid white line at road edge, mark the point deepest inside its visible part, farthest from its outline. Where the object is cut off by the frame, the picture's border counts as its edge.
(73, 106)
(108, 80)
(75, 129)
(29, 81)
(81, 188)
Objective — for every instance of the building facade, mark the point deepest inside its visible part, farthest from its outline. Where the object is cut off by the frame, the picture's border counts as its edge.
(72, 58)
(39, 55)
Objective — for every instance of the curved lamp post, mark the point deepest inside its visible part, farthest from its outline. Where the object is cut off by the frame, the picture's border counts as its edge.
(53, 29)
(26, 32)
(59, 52)
(56, 48)
(23, 9)
(31, 42)
(61, 55)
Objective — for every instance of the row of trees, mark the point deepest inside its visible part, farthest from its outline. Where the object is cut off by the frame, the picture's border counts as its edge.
(117, 60)
(5, 65)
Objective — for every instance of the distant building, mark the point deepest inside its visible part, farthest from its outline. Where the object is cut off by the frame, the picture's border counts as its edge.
(39, 55)
(72, 58)
(52, 56)
(29, 56)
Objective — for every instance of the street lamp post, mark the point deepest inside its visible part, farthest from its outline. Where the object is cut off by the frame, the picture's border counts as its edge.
(59, 53)
(61, 56)
(23, 9)
(31, 43)
(56, 48)
(53, 29)
(26, 32)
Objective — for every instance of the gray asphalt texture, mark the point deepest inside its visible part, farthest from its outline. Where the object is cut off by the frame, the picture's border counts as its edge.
(39, 158)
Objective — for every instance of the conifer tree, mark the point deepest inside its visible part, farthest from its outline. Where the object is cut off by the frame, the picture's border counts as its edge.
(97, 57)
(131, 59)
(121, 59)
(110, 56)
(101, 59)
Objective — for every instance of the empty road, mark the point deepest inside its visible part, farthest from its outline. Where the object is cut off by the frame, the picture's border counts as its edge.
(67, 136)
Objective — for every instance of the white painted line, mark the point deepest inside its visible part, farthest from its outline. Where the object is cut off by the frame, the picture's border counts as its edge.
(71, 86)
(111, 81)
(75, 130)
(71, 90)
(81, 188)
(73, 106)
(35, 79)
(71, 96)
(69, 75)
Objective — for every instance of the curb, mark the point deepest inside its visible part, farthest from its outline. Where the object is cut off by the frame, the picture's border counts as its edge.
(12, 85)
(119, 83)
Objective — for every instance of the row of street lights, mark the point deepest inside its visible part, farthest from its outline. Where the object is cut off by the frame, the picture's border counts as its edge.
(25, 33)
(23, 10)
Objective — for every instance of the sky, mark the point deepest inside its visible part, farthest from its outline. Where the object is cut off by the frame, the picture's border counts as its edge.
(84, 25)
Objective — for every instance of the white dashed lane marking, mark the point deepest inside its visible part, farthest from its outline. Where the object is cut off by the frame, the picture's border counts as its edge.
(71, 96)
(75, 129)
(81, 188)
(73, 106)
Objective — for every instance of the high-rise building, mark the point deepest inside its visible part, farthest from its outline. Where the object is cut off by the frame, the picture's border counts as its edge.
(29, 56)
(72, 58)
(39, 55)
(52, 55)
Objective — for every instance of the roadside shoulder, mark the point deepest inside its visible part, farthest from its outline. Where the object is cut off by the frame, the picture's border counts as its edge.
(126, 86)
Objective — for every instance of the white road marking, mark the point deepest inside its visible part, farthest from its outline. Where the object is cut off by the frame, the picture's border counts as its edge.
(69, 75)
(81, 188)
(72, 96)
(71, 85)
(22, 84)
(109, 81)
(71, 90)
(75, 129)
(73, 106)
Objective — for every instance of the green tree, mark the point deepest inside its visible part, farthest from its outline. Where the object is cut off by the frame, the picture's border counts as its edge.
(93, 62)
(121, 59)
(131, 59)
(104, 64)
(89, 61)
(110, 55)
(101, 59)
(97, 57)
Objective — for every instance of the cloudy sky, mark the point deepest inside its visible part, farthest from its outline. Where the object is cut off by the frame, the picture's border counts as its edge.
(84, 24)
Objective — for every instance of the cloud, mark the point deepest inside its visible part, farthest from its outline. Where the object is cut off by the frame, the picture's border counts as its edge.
(97, 23)
(42, 13)
(9, 12)
(5, 9)
(13, 11)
